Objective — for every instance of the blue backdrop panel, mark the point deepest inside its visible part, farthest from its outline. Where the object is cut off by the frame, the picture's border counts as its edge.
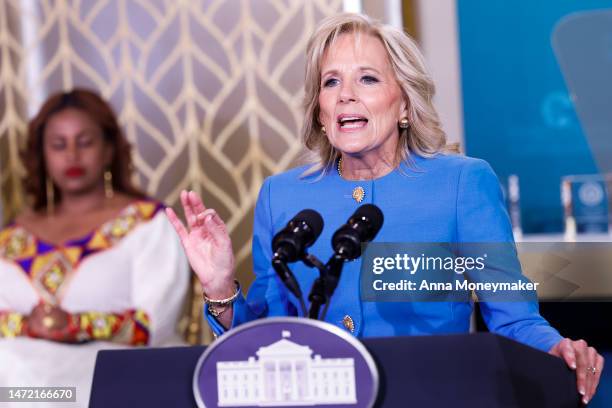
(518, 113)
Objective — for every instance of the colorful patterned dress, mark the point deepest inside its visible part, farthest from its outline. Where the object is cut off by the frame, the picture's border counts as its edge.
(123, 284)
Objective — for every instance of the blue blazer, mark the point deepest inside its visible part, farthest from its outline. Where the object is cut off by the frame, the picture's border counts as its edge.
(447, 198)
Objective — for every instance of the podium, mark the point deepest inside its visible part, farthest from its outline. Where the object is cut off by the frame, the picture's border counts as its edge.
(469, 370)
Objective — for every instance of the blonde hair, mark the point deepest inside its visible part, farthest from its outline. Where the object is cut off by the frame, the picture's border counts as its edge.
(424, 135)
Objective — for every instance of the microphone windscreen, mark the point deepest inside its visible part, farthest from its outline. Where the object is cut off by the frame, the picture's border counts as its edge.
(313, 219)
(373, 214)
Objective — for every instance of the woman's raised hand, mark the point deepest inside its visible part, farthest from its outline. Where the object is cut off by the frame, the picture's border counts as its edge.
(207, 244)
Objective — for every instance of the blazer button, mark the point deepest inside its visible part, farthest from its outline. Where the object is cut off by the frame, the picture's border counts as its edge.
(348, 323)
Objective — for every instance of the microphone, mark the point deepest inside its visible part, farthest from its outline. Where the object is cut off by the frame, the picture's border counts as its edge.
(361, 227)
(290, 244)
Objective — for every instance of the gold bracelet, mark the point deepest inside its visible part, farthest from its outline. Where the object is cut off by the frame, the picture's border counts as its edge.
(213, 304)
(212, 309)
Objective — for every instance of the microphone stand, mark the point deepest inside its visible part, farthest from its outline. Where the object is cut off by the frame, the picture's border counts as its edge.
(324, 286)
(317, 296)
(288, 278)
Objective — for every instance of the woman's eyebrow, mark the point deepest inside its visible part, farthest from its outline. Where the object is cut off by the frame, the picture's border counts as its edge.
(369, 68)
(328, 72)
(361, 68)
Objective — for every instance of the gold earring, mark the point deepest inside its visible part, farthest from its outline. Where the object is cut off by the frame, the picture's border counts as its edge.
(108, 184)
(50, 195)
(403, 123)
(323, 130)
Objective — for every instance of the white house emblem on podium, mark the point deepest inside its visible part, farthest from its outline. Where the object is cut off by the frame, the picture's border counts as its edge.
(286, 374)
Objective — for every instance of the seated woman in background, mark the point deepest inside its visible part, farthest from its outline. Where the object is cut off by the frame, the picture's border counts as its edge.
(93, 261)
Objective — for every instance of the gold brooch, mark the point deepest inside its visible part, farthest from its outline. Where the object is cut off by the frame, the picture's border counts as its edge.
(358, 194)
(348, 323)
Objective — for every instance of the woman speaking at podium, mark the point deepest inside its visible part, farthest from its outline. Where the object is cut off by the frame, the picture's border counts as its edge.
(374, 137)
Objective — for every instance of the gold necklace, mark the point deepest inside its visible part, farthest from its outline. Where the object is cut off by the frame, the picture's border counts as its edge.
(339, 167)
(358, 192)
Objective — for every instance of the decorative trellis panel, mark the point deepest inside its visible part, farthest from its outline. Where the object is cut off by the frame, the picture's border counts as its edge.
(209, 92)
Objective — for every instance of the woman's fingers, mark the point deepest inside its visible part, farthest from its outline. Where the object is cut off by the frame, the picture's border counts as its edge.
(215, 226)
(206, 242)
(217, 220)
(596, 362)
(565, 350)
(190, 214)
(585, 360)
(193, 207)
(592, 372)
(599, 366)
(202, 221)
(582, 362)
(178, 225)
(196, 202)
(201, 217)
(591, 358)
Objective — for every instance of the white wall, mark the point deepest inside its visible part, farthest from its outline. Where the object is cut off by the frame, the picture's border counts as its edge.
(389, 11)
(438, 35)
(439, 39)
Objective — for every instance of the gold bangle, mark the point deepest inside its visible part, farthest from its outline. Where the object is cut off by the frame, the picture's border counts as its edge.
(223, 302)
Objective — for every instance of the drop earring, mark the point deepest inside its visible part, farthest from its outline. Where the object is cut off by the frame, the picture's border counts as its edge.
(323, 130)
(108, 184)
(50, 196)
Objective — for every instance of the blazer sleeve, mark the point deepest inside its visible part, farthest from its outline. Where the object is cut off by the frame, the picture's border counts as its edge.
(482, 219)
(267, 296)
